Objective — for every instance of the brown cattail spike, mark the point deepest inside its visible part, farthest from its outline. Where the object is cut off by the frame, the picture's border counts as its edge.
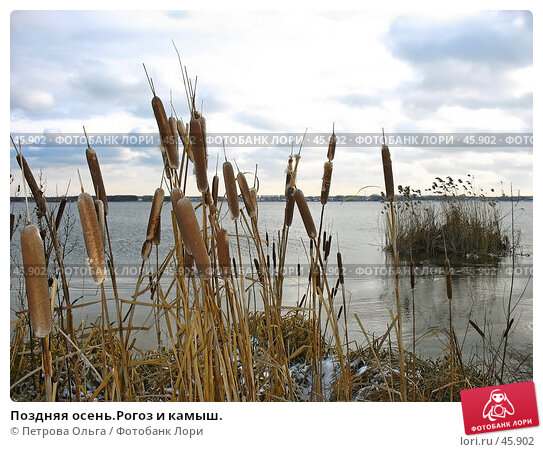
(192, 238)
(96, 174)
(254, 199)
(37, 288)
(11, 225)
(246, 195)
(41, 204)
(154, 215)
(146, 249)
(166, 136)
(305, 214)
(215, 189)
(340, 268)
(231, 190)
(412, 274)
(99, 206)
(387, 170)
(93, 237)
(448, 278)
(173, 151)
(326, 181)
(332, 147)
(199, 154)
(289, 207)
(156, 237)
(224, 253)
(60, 212)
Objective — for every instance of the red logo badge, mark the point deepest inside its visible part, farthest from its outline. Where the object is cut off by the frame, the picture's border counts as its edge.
(496, 408)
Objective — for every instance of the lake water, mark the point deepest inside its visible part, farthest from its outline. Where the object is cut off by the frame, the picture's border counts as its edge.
(480, 292)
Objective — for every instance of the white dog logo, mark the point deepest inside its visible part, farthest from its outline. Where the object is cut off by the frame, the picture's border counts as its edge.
(498, 406)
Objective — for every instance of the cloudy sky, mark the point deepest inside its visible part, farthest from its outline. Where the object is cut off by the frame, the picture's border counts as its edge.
(283, 73)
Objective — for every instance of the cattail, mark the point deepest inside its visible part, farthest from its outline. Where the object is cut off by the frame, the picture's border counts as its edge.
(231, 190)
(175, 195)
(192, 238)
(287, 182)
(289, 207)
(167, 136)
(332, 147)
(474, 325)
(100, 214)
(235, 267)
(210, 203)
(254, 199)
(326, 180)
(448, 278)
(37, 288)
(199, 154)
(93, 237)
(387, 170)
(215, 189)
(11, 225)
(246, 195)
(96, 174)
(341, 278)
(257, 266)
(60, 212)
(154, 215)
(274, 257)
(203, 126)
(305, 214)
(156, 237)
(327, 247)
(173, 151)
(146, 249)
(224, 253)
(41, 204)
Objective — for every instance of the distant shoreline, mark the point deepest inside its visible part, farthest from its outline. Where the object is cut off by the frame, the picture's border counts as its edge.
(281, 198)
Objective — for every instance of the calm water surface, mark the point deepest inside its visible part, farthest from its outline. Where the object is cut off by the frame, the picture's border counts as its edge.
(480, 292)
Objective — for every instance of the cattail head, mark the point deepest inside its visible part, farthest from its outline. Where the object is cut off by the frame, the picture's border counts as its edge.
(448, 278)
(254, 199)
(192, 237)
(156, 237)
(37, 288)
(199, 154)
(93, 237)
(246, 195)
(100, 214)
(340, 268)
(287, 182)
(154, 215)
(167, 137)
(215, 189)
(210, 203)
(326, 181)
(175, 195)
(146, 249)
(60, 212)
(305, 214)
(289, 207)
(189, 264)
(173, 150)
(41, 204)
(96, 175)
(332, 147)
(224, 253)
(231, 190)
(387, 170)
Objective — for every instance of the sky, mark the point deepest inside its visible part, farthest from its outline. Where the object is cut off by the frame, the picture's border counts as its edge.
(282, 73)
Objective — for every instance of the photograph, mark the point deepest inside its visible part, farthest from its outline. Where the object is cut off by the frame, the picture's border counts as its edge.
(271, 206)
